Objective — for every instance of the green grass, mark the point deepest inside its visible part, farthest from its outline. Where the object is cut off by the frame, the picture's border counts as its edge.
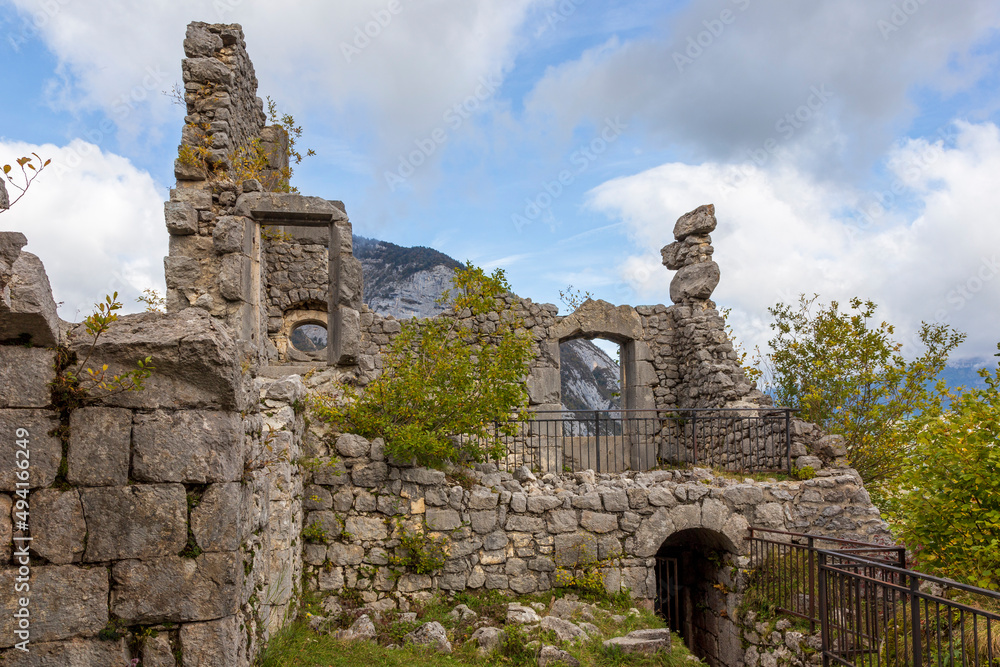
(298, 646)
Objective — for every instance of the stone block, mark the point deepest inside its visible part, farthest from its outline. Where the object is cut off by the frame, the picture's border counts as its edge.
(200, 42)
(483, 499)
(44, 451)
(217, 519)
(543, 503)
(200, 198)
(543, 385)
(181, 272)
(699, 222)
(524, 524)
(694, 282)
(58, 529)
(137, 521)
(99, 444)
(423, 476)
(349, 283)
(157, 652)
(210, 644)
(346, 554)
(182, 218)
(206, 70)
(25, 373)
(65, 601)
(575, 549)
(370, 475)
(234, 277)
(176, 589)
(72, 653)
(615, 501)
(231, 235)
(484, 521)
(345, 336)
(27, 309)
(197, 361)
(364, 528)
(653, 530)
(353, 446)
(562, 521)
(442, 519)
(191, 446)
(598, 523)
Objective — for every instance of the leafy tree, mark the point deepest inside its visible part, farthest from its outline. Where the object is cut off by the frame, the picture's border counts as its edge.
(949, 508)
(448, 388)
(847, 373)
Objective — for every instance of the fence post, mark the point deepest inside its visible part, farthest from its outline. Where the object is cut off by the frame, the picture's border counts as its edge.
(812, 587)
(918, 659)
(597, 438)
(824, 621)
(694, 434)
(788, 438)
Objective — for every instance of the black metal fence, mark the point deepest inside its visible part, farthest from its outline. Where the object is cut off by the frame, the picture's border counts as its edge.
(870, 608)
(736, 439)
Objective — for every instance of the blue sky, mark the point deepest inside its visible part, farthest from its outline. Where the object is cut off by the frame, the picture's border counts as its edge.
(850, 147)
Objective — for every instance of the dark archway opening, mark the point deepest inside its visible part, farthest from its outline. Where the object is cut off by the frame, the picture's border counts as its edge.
(694, 584)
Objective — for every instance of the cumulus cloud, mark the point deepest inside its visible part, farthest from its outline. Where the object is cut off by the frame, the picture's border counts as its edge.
(395, 65)
(96, 222)
(782, 232)
(724, 76)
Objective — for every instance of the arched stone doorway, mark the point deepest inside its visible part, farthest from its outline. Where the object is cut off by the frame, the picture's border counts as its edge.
(622, 446)
(695, 592)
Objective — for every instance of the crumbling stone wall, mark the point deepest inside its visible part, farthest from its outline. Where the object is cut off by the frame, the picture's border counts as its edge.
(172, 509)
(511, 532)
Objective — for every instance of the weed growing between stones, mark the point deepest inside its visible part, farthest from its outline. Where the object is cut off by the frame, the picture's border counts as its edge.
(314, 533)
(418, 552)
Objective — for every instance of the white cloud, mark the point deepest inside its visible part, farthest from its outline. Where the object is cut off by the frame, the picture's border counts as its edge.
(722, 77)
(95, 221)
(118, 55)
(778, 237)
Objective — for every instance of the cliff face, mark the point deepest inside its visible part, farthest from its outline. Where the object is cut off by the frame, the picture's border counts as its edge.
(590, 378)
(403, 282)
(407, 282)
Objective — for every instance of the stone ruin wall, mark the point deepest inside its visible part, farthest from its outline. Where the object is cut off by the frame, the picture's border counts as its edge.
(181, 508)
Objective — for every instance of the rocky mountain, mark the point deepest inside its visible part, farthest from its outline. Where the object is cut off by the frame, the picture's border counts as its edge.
(590, 378)
(406, 282)
(403, 282)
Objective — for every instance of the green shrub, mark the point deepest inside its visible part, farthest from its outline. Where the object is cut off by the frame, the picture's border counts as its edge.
(448, 390)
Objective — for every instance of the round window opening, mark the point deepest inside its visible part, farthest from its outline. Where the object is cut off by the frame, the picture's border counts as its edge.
(309, 337)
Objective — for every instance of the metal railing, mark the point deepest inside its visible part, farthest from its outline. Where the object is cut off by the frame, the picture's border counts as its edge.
(735, 439)
(871, 609)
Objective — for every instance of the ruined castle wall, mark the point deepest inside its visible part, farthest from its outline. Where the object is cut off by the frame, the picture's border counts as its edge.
(513, 534)
(173, 509)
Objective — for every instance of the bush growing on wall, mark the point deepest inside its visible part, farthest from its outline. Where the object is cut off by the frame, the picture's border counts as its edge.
(448, 389)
